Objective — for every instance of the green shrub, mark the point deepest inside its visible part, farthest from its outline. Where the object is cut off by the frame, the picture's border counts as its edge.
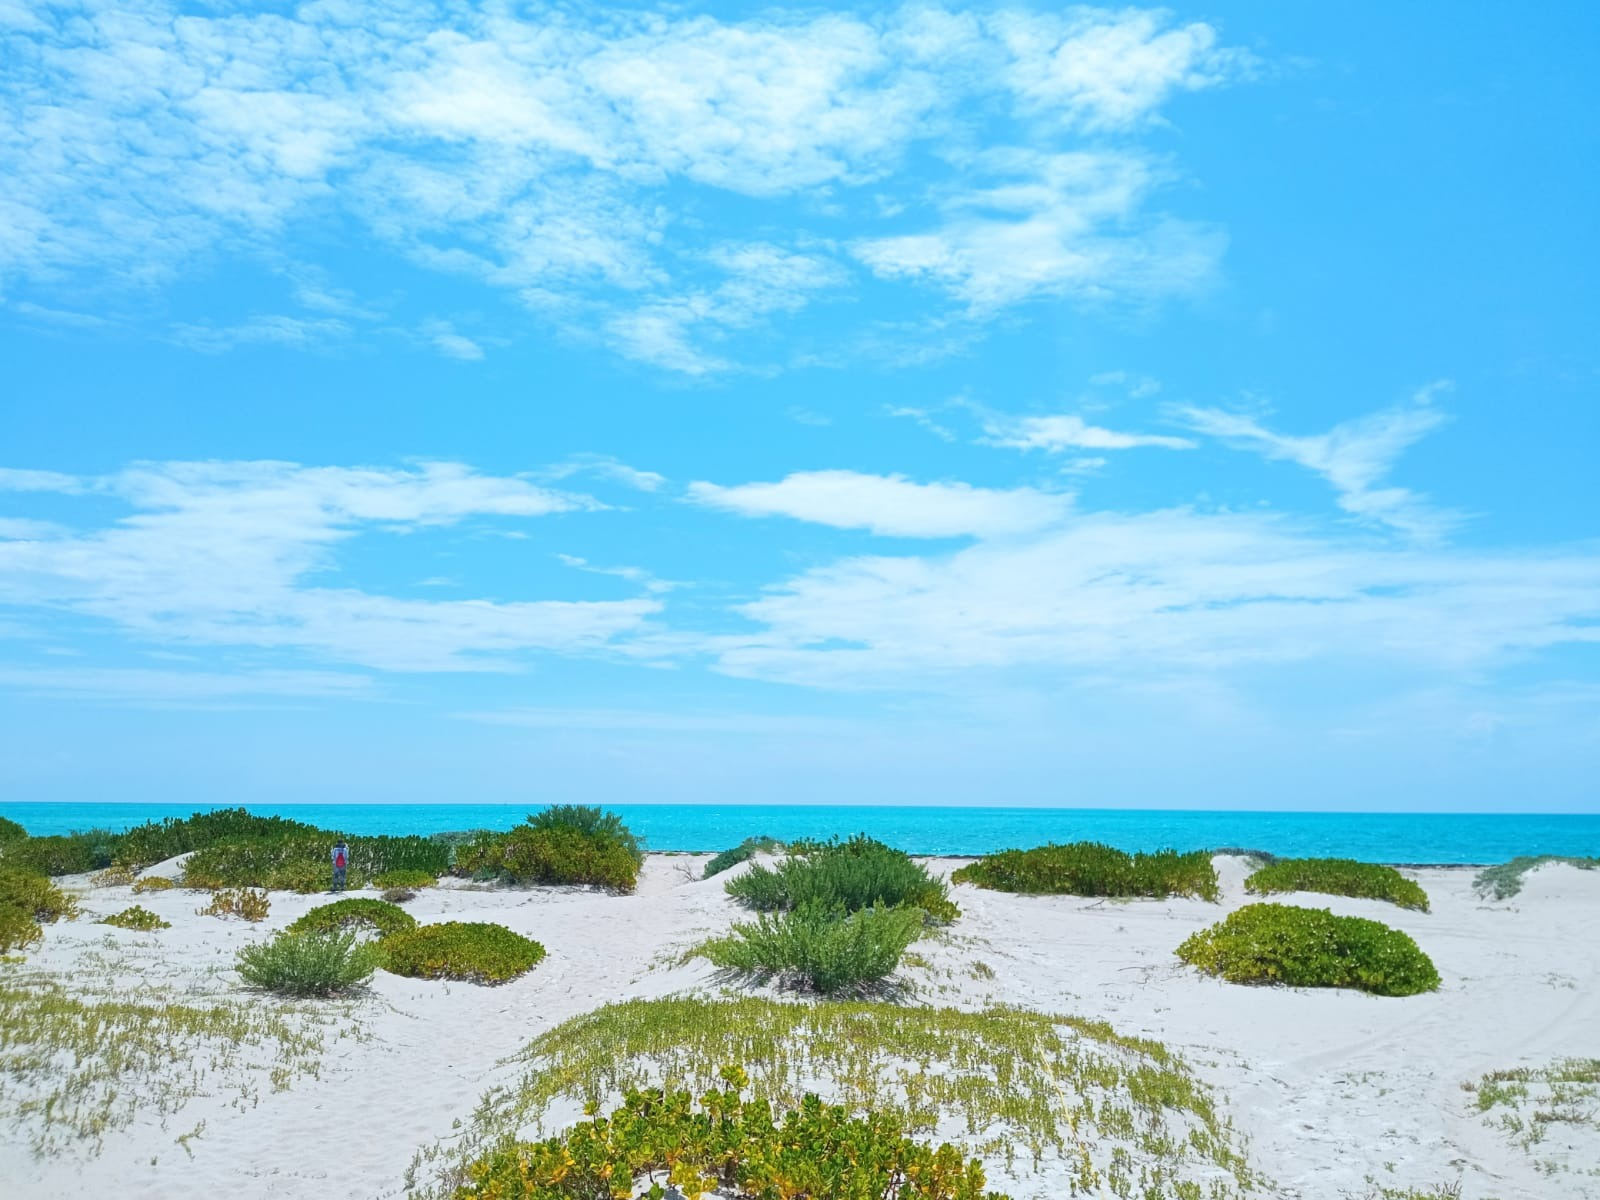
(157, 841)
(818, 949)
(566, 843)
(62, 854)
(35, 895)
(746, 849)
(405, 879)
(10, 831)
(846, 877)
(316, 963)
(153, 883)
(18, 929)
(116, 875)
(398, 895)
(1092, 869)
(1505, 880)
(477, 952)
(349, 914)
(136, 918)
(237, 902)
(300, 862)
(1310, 947)
(733, 1146)
(1338, 877)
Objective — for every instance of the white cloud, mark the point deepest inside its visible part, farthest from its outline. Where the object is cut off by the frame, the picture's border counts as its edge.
(13, 479)
(1163, 595)
(1066, 432)
(568, 158)
(890, 505)
(26, 529)
(451, 344)
(1051, 225)
(1353, 456)
(224, 554)
(185, 688)
(603, 466)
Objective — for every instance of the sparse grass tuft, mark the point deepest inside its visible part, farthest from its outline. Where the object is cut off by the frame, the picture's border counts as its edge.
(323, 962)
(818, 949)
(1093, 869)
(1505, 881)
(136, 918)
(1528, 1103)
(1310, 947)
(1338, 877)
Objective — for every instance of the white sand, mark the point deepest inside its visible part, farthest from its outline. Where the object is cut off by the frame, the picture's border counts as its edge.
(1332, 1087)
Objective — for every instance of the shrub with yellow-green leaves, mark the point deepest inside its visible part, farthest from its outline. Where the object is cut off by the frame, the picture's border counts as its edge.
(730, 1145)
(1093, 869)
(566, 843)
(1310, 947)
(355, 913)
(477, 952)
(1338, 877)
(136, 918)
(28, 900)
(153, 883)
(315, 962)
(237, 902)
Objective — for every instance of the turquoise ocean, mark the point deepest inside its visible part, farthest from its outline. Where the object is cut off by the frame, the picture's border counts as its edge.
(1376, 837)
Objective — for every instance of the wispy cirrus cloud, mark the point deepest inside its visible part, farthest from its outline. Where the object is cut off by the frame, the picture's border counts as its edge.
(1354, 457)
(1062, 432)
(239, 554)
(618, 175)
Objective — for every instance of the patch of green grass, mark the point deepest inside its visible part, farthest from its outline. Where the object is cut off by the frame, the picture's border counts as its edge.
(1093, 869)
(1310, 947)
(1526, 1103)
(319, 962)
(136, 918)
(819, 949)
(1106, 1114)
(377, 915)
(473, 951)
(844, 876)
(137, 1056)
(1505, 880)
(745, 850)
(1338, 877)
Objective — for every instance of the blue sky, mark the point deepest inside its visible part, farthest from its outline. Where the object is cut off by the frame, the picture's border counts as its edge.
(1189, 407)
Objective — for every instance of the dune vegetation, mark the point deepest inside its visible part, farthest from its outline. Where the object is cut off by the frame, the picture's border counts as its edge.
(1504, 881)
(355, 912)
(1310, 947)
(314, 962)
(1093, 869)
(474, 951)
(137, 918)
(1338, 877)
(1102, 1113)
(743, 852)
(564, 844)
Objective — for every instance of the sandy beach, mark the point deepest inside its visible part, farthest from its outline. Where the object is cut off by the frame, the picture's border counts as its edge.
(1339, 1094)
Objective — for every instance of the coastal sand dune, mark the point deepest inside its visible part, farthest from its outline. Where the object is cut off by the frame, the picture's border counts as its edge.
(1338, 1092)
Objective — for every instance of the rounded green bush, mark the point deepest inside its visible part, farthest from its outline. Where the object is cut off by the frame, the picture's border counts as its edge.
(1310, 947)
(35, 895)
(819, 949)
(378, 915)
(1093, 869)
(136, 918)
(1338, 877)
(474, 951)
(404, 879)
(314, 963)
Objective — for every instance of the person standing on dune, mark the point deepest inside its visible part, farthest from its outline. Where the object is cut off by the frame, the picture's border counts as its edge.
(341, 861)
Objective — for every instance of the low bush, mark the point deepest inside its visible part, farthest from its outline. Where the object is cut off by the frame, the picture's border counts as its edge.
(405, 879)
(315, 963)
(1505, 880)
(62, 854)
(571, 844)
(18, 929)
(398, 895)
(476, 952)
(746, 849)
(844, 877)
(153, 883)
(300, 862)
(157, 841)
(819, 950)
(10, 831)
(237, 902)
(1338, 877)
(1093, 869)
(136, 918)
(354, 913)
(35, 895)
(1310, 947)
(735, 1147)
(116, 875)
